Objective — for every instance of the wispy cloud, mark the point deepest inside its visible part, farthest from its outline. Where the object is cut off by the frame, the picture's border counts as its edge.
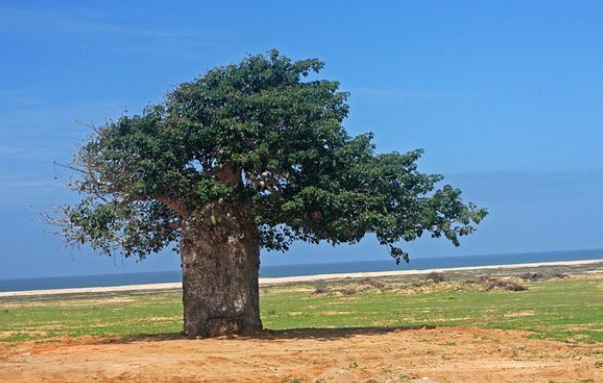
(51, 131)
(19, 185)
(395, 95)
(19, 190)
(11, 98)
(87, 25)
(522, 187)
(80, 22)
(8, 150)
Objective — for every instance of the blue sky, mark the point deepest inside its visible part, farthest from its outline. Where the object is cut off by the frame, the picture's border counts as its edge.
(504, 96)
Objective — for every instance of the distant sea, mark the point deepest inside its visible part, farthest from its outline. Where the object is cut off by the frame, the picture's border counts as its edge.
(119, 279)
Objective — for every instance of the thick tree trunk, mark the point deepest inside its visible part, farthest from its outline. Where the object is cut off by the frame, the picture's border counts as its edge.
(220, 267)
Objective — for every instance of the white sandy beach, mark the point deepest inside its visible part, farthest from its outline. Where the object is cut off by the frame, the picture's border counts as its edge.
(301, 278)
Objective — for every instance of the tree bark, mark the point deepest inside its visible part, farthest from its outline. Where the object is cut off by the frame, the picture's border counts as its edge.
(220, 269)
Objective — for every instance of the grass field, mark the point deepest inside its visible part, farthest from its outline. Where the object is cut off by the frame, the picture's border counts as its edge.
(568, 310)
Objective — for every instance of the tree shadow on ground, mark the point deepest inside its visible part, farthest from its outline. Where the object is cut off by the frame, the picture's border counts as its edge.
(323, 334)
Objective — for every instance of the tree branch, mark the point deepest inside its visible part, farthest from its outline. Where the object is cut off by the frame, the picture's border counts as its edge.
(228, 173)
(175, 206)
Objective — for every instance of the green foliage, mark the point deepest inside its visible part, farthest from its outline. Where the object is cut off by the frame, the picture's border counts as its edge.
(262, 139)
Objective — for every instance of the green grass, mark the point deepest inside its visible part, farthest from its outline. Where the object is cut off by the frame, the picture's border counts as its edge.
(564, 310)
(103, 315)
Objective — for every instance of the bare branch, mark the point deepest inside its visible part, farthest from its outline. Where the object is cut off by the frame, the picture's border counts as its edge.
(67, 166)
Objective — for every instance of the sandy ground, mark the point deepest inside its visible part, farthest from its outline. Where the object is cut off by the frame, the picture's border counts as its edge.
(334, 355)
(302, 278)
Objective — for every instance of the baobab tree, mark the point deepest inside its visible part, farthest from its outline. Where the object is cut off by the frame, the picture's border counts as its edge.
(247, 157)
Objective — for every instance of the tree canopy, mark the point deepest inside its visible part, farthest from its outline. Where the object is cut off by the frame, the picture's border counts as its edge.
(264, 139)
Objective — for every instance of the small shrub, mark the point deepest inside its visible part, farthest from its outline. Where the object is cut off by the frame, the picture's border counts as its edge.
(435, 277)
(532, 277)
(485, 279)
(558, 276)
(504, 285)
(372, 282)
(491, 283)
(320, 287)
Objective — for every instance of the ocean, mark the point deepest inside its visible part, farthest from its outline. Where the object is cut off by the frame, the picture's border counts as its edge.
(119, 279)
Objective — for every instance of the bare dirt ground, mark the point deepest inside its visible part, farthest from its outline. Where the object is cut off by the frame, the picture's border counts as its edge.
(446, 354)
